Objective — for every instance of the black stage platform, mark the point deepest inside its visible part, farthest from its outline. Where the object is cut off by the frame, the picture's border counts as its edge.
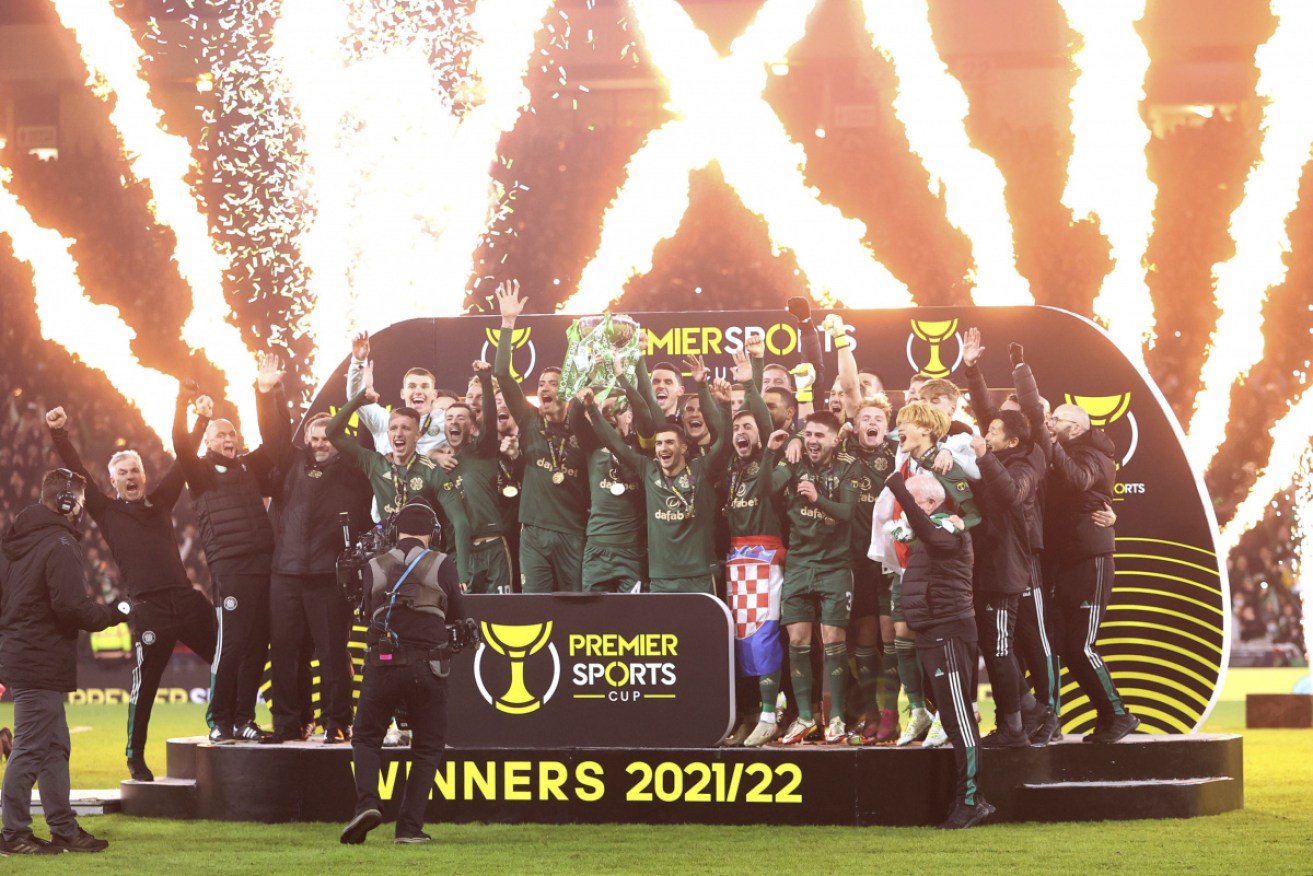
(1141, 777)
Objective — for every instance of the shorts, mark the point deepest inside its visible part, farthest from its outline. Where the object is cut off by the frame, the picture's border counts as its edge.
(550, 561)
(895, 601)
(490, 567)
(812, 594)
(870, 589)
(613, 569)
(696, 584)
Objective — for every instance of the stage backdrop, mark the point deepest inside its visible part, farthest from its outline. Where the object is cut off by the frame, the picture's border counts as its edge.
(1166, 636)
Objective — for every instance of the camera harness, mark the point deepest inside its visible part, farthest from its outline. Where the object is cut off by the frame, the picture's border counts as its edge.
(392, 597)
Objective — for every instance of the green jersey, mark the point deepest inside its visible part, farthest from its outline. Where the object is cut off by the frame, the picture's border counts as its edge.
(395, 484)
(615, 517)
(474, 477)
(818, 531)
(873, 467)
(751, 502)
(554, 493)
(955, 484)
(680, 508)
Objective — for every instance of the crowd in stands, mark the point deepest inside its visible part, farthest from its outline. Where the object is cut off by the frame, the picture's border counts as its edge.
(563, 181)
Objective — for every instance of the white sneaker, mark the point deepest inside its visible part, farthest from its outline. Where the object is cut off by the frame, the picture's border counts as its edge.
(917, 726)
(765, 731)
(392, 739)
(836, 731)
(936, 737)
(797, 731)
(738, 734)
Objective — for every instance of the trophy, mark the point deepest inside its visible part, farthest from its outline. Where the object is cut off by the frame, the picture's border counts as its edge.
(592, 343)
(1103, 409)
(934, 333)
(517, 642)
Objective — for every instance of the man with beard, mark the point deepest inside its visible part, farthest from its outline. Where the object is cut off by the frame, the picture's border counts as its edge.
(228, 490)
(783, 408)
(43, 604)
(138, 527)
(614, 554)
(554, 501)
(680, 496)
(473, 478)
(755, 565)
(1012, 467)
(418, 392)
(820, 493)
(312, 486)
(667, 391)
(403, 473)
(1080, 551)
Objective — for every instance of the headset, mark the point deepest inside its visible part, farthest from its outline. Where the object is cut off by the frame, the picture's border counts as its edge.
(70, 493)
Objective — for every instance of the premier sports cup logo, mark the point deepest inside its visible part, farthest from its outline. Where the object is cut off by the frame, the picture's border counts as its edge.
(519, 338)
(1106, 411)
(933, 333)
(517, 643)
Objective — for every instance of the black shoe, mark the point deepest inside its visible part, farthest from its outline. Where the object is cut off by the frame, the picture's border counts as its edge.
(27, 844)
(420, 837)
(83, 842)
(968, 816)
(221, 736)
(1045, 729)
(337, 736)
(359, 827)
(307, 730)
(278, 737)
(1100, 727)
(1118, 729)
(1002, 738)
(6, 742)
(250, 732)
(139, 771)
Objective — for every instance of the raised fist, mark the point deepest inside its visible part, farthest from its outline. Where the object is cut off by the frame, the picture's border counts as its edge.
(56, 419)
(800, 308)
(1017, 354)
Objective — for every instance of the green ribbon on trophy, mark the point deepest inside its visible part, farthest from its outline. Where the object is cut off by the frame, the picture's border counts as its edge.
(592, 343)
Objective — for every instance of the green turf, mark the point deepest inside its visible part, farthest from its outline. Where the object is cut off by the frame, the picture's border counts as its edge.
(1273, 834)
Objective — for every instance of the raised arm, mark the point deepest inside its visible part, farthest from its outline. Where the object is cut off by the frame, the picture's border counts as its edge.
(717, 424)
(611, 439)
(1031, 403)
(274, 422)
(186, 443)
(577, 420)
(850, 388)
(643, 420)
(336, 434)
(489, 441)
(747, 374)
(649, 394)
(511, 305)
(810, 342)
(57, 421)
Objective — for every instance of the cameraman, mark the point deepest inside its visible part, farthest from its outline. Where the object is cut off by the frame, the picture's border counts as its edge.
(411, 594)
(43, 604)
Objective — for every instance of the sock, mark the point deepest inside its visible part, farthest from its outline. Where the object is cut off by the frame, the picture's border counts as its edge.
(909, 672)
(770, 693)
(1028, 702)
(867, 661)
(890, 684)
(836, 667)
(1012, 723)
(800, 673)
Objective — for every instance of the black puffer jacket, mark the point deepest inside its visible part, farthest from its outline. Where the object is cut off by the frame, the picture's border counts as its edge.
(1079, 483)
(1009, 483)
(936, 587)
(43, 602)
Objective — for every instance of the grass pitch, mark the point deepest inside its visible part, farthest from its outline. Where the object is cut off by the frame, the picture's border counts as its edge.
(1273, 834)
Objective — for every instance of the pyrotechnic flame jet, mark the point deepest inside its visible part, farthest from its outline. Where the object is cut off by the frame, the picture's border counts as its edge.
(93, 333)
(933, 108)
(397, 175)
(1288, 462)
(722, 116)
(163, 162)
(1258, 224)
(1108, 174)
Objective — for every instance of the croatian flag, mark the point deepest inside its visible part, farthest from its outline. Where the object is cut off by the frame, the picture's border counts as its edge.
(756, 577)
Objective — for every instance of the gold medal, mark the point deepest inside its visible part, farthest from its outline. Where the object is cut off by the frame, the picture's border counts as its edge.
(558, 477)
(510, 491)
(617, 489)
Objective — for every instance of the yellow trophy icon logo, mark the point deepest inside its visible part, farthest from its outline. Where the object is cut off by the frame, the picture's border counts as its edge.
(934, 333)
(519, 338)
(518, 642)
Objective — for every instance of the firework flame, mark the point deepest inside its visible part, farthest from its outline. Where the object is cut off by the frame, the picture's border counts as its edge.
(933, 107)
(1289, 457)
(164, 163)
(1108, 175)
(397, 169)
(1258, 224)
(64, 311)
(722, 116)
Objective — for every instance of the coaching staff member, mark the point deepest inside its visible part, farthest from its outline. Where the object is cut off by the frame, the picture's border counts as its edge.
(411, 594)
(312, 485)
(43, 604)
(166, 609)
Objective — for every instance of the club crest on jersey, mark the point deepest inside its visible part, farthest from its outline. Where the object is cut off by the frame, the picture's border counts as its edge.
(416, 484)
